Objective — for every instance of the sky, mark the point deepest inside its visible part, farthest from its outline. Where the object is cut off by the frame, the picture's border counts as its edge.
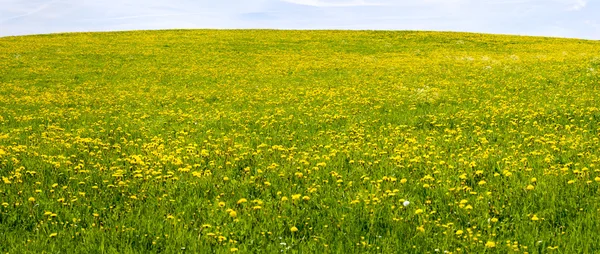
(556, 18)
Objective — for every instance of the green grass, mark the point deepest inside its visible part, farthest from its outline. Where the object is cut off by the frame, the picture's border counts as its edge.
(137, 142)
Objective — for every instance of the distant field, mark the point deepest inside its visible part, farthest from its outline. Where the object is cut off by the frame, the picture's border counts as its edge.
(299, 141)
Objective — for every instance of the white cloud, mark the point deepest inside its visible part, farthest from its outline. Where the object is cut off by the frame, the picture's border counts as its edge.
(332, 3)
(578, 5)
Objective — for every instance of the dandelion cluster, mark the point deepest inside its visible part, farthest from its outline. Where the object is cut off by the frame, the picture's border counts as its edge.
(308, 141)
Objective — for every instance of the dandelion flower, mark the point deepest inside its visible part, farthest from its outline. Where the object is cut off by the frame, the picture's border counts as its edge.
(490, 244)
(294, 229)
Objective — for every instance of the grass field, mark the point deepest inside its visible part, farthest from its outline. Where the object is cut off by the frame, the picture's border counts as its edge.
(299, 141)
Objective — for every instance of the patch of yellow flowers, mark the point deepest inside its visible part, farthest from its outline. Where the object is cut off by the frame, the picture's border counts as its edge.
(265, 141)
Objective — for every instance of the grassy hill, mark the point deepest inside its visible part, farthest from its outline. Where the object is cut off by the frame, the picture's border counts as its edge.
(299, 141)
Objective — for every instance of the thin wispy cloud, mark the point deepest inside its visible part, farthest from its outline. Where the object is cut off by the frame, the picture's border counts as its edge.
(564, 18)
(37, 9)
(329, 3)
(578, 5)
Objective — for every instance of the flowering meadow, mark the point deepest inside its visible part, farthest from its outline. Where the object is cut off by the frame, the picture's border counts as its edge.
(219, 141)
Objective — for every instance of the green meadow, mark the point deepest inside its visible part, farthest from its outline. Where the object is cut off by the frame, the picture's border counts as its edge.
(264, 141)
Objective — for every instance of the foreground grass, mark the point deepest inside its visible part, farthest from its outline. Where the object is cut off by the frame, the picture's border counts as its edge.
(299, 141)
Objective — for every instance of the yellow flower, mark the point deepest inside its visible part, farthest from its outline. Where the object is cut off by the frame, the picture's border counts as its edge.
(530, 187)
(459, 232)
(403, 180)
(306, 198)
(482, 182)
(233, 249)
(494, 220)
(421, 229)
(419, 211)
(284, 198)
(233, 214)
(296, 196)
(53, 235)
(597, 179)
(242, 200)
(225, 179)
(490, 244)
(221, 204)
(535, 218)
(294, 229)
(31, 199)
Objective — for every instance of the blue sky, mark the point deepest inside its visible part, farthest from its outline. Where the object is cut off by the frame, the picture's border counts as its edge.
(561, 18)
